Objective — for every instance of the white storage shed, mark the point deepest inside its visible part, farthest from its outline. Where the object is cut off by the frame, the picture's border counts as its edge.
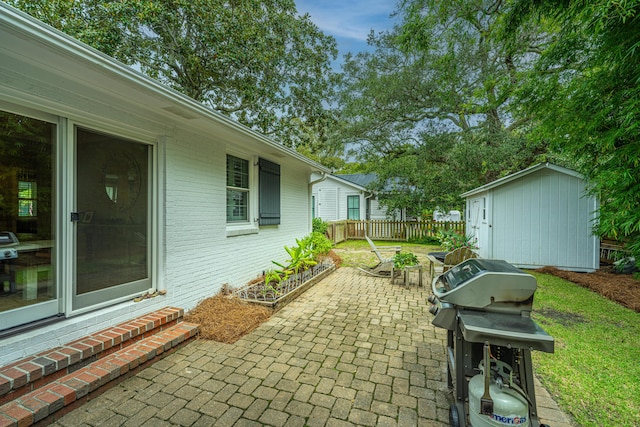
(540, 216)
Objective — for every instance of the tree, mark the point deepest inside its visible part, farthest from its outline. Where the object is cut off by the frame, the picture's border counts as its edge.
(435, 102)
(257, 61)
(584, 94)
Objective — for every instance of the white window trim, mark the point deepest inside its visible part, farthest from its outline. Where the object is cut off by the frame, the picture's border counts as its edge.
(251, 226)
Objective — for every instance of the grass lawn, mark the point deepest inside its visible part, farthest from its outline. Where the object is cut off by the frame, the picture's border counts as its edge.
(594, 374)
(356, 253)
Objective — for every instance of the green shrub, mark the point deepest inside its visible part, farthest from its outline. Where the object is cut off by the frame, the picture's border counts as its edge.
(426, 240)
(303, 256)
(318, 243)
(320, 226)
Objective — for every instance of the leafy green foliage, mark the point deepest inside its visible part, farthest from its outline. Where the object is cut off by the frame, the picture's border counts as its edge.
(404, 259)
(450, 240)
(302, 256)
(427, 240)
(432, 106)
(318, 244)
(319, 225)
(256, 61)
(584, 93)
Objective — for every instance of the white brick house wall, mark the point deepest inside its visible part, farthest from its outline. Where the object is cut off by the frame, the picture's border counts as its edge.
(193, 251)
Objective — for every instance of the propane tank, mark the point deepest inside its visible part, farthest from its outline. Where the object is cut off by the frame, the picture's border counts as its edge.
(510, 408)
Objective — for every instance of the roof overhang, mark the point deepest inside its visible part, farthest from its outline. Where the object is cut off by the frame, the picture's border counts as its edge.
(347, 182)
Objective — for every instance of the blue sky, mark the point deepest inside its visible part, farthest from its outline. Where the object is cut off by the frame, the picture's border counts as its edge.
(349, 21)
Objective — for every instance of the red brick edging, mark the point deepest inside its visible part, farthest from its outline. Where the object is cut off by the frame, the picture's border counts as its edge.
(44, 387)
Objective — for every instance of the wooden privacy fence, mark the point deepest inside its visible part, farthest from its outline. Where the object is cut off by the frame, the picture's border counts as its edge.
(339, 231)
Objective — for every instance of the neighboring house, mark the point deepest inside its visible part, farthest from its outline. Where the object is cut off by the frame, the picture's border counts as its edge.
(540, 216)
(115, 184)
(346, 196)
(453, 216)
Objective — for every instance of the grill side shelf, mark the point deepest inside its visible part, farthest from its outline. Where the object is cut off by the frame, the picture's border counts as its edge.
(509, 330)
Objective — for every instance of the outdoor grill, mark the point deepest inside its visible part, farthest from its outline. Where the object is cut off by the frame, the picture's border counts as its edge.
(485, 306)
(7, 256)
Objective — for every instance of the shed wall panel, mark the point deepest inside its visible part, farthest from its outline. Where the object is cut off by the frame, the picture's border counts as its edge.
(543, 219)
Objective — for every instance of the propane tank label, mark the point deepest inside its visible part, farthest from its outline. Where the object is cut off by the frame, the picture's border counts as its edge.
(509, 421)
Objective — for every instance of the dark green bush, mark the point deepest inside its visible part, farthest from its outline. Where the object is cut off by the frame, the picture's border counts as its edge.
(320, 226)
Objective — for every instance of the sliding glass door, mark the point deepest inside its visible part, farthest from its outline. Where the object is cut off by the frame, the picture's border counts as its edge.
(50, 266)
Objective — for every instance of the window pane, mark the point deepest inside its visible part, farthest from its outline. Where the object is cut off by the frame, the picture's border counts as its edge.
(353, 207)
(237, 205)
(27, 208)
(26, 184)
(237, 172)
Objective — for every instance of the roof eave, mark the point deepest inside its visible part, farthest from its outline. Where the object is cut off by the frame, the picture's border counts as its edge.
(518, 175)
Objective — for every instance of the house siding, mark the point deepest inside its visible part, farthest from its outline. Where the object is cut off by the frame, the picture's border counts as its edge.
(200, 257)
(331, 196)
(378, 212)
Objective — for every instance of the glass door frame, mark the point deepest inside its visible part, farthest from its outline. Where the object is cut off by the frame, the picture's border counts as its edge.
(22, 316)
(69, 228)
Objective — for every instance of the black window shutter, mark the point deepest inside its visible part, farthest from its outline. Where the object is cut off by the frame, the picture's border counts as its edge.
(269, 199)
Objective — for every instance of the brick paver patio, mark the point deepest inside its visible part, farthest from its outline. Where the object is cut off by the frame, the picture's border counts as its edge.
(352, 350)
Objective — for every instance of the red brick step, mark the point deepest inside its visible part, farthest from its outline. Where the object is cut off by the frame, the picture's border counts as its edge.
(42, 388)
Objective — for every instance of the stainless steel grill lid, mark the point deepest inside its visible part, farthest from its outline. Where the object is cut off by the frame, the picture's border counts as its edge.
(482, 283)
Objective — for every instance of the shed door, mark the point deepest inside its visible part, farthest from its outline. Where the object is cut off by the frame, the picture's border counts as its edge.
(473, 220)
(478, 224)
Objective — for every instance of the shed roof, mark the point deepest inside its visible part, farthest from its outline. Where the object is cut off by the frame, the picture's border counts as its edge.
(520, 174)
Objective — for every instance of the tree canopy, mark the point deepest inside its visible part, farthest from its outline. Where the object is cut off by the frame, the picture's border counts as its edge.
(257, 61)
(434, 101)
(584, 93)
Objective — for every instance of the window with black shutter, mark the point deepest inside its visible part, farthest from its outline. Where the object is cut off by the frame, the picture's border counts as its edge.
(269, 197)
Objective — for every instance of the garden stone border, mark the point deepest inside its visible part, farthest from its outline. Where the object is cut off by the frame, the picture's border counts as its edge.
(294, 286)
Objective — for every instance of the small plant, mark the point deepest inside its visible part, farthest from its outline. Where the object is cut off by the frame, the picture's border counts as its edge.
(272, 281)
(450, 240)
(319, 243)
(404, 259)
(273, 276)
(301, 257)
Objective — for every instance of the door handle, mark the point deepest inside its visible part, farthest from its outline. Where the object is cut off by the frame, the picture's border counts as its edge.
(75, 216)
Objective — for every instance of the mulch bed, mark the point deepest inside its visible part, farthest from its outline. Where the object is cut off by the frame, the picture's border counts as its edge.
(621, 288)
(226, 319)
